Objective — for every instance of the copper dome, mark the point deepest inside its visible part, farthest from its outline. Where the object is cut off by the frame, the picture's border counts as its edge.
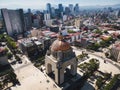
(60, 44)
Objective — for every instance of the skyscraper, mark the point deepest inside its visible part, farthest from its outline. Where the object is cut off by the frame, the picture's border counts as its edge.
(14, 21)
(60, 7)
(67, 10)
(76, 9)
(28, 20)
(48, 8)
(29, 10)
(71, 8)
(53, 12)
(47, 17)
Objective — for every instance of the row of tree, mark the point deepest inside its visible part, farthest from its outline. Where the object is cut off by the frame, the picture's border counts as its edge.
(103, 43)
(101, 80)
(9, 78)
(112, 82)
(88, 68)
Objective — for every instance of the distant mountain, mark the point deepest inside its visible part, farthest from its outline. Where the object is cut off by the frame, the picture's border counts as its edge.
(116, 6)
(100, 6)
(81, 7)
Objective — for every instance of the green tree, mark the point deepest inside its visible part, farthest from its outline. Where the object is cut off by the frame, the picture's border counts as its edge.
(99, 82)
(103, 43)
(1, 86)
(96, 46)
(17, 58)
(80, 56)
(112, 82)
(106, 32)
(13, 45)
(9, 55)
(12, 77)
(6, 50)
(98, 32)
(107, 76)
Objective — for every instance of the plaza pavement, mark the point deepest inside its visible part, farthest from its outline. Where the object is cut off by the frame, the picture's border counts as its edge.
(32, 78)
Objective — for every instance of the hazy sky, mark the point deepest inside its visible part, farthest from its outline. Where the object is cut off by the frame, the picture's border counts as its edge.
(40, 4)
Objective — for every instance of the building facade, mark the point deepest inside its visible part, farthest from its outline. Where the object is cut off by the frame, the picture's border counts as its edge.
(115, 52)
(28, 20)
(14, 21)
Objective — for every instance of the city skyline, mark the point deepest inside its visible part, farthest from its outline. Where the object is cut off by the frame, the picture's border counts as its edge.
(39, 4)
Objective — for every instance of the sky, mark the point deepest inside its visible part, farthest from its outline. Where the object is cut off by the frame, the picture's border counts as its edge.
(41, 4)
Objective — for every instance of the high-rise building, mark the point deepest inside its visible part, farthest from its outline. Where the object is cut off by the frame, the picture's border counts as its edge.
(41, 19)
(36, 23)
(49, 8)
(53, 12)
(28, 20)
(57, 13)
(38, 19)
(2, 26)
(14, 21)
(64, 17)
(29, 10)
(67, 10)
(60, 7)
(77, 23)
(47, 17)
(76, 9)
(71, 8)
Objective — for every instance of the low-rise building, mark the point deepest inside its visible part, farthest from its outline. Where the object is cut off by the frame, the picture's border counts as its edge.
(27, 46)
(115, 51)
(34, 45)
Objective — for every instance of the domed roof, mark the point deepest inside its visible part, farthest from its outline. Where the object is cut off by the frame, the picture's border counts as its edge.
(60, 44)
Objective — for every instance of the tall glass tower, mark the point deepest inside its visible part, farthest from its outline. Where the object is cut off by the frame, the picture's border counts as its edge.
(60, 7)
(48, 8)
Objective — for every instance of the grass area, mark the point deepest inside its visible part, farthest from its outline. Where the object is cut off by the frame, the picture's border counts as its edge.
(71, 31)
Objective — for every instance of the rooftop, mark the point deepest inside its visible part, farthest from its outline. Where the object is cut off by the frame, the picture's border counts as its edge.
(2, 49)
(26, 42)
(117, 46)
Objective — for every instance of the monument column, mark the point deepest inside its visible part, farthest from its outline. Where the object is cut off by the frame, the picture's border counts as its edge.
(59, 74)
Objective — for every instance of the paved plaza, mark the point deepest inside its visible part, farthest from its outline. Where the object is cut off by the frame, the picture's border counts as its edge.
(32, 78)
